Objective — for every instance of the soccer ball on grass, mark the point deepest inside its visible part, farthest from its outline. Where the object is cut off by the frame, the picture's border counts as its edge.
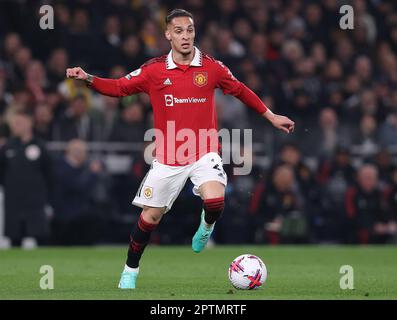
(247, 272)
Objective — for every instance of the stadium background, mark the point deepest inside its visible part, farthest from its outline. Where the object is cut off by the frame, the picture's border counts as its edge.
(338, 85)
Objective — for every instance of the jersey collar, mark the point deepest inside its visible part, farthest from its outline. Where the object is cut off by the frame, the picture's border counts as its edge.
(196, 62)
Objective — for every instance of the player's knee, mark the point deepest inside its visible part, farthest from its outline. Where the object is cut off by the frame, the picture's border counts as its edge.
(213, 208)
(152, 215)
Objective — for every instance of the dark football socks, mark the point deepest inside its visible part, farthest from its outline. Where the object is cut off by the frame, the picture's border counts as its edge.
(139, 238)
(213, 209)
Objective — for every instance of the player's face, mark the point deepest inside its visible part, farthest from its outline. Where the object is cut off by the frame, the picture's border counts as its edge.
(180, 32)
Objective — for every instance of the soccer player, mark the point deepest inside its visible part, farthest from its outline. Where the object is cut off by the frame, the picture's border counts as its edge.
(181, 86)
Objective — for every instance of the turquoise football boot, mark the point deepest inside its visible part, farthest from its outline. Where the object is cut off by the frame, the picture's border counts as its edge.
(127, 280)
(202, 235)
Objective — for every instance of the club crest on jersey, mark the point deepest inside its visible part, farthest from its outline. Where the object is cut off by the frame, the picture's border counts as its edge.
(148, 192)
(200, 79)
(134, 73)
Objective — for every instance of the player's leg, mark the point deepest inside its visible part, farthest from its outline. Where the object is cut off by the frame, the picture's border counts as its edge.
(155, 196)
(139, 238)
(140, 234)
(213, 195)
(210, 180)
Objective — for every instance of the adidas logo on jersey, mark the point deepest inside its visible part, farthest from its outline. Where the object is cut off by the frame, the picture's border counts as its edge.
(167, 82)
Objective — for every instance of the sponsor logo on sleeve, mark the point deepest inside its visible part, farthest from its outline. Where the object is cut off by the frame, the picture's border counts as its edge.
(134, 73)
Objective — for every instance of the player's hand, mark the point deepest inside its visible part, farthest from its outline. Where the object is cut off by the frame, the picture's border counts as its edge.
(76, 73)
(283, 123)
(280, 122)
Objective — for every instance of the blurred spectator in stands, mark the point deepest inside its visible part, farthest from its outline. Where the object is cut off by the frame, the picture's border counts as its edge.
(242, 30)
(363, 69)
(257, 51)
(340, 167)
(352, 98)
(329, 135)
(232, 114)
(228, 49)
(79, 122)
(283, 208)
(387, 63)
(388, 131)
(111, 116)
(369, 105)
(78, 39)
(36, 81)
(56, 66)
(4, 133)
(366, 140)
(21, 60)
(334, 176)
(43, 125)
(75, 220)
(391, 204)
(227, 12)
(12, 43)
(367, 22)
(259, 16)
(295, 28)
(384, 162)
(238, 228)
(319, 55)
(130, 127)
(132, 55)
(55, 103)
(292, 53)
(109, 42)
(206, 45)
(5, 96)
(344, 51)
(26, 175)
(151, 37)
(125, 184)
(20, 102)
(314, 25)
(291, 155)
(365, 209)
(311, 83)
(333, 74)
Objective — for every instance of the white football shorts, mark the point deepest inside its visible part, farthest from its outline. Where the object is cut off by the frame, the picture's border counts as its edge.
(163, 183)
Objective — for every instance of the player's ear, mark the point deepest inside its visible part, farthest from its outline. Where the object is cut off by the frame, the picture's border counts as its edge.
(167, 34)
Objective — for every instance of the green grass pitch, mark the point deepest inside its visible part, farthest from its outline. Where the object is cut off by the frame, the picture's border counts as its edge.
(175, 272)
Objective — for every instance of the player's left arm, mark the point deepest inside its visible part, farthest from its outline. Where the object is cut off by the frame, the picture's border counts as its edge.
(230, 85)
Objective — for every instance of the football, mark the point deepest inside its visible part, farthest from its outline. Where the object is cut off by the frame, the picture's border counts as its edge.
(247, 272)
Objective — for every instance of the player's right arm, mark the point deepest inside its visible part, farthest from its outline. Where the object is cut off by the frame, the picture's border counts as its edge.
(134, 82)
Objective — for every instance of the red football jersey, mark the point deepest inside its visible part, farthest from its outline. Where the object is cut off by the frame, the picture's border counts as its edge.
(183, 101)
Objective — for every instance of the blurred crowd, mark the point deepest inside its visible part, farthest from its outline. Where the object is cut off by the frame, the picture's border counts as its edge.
(333, 180)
